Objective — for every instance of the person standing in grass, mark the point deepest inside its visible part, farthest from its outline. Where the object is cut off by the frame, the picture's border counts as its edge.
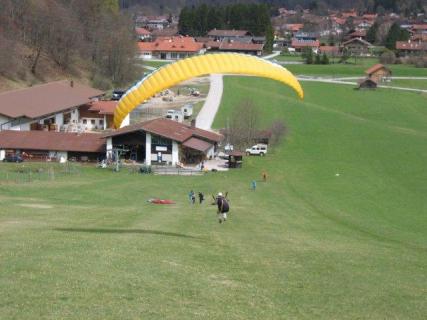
(264, 176)
(253, 185)
(223, 207)
(191, 197)
(201, 197)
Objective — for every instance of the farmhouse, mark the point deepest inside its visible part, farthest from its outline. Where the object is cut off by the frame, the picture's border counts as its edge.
(357, 46)
(300, 45)
(170, 48)
(236, 46)
(53, 106)
(163, 141)
(220, 35)
(411, 47)
(54, 146)
(378, 73)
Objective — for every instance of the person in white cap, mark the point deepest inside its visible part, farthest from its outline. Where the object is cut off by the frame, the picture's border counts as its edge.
(223, 207)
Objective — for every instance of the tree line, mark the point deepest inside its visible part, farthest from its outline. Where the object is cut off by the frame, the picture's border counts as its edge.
(68, 36)
(255, 18)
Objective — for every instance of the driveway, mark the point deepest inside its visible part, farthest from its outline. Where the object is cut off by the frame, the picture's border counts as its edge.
(207, 114)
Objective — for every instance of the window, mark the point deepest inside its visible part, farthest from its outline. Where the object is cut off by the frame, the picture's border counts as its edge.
(84, 121)
(101, 122)
(92, 121)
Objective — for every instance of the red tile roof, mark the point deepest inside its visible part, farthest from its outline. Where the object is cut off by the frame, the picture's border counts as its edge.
(305, 43)
(240, 46)
(142, 32)
(227, 33)
(411, 46)
(169, 129)
(419, 27)
(103, 107)
(171, 44)
(51, 141)
(358, 34)
(48, 98)
(197, 144)
(294, 27)
(375, 68)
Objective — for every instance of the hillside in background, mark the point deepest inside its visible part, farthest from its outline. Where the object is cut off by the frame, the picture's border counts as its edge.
(174, 6)
(89, 40)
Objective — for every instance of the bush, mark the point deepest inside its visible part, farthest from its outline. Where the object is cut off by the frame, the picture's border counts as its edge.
(101, 82)
(388, 57)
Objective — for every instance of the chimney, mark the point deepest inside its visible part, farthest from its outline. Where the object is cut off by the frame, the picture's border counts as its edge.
(193, 123)
(71, 83)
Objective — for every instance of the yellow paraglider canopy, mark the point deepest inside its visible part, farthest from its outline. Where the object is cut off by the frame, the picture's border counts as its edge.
(174, 73)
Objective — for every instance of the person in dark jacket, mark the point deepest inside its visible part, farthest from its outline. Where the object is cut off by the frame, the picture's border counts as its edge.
(201, 197)
(223, 207)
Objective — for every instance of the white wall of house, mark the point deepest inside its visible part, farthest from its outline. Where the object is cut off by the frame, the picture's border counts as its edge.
(58, 155)
(92, 123)
(148, 149)
(146, 55)
(165, 157)
(109, 148)
(2, 154)
(175, 153)
(211, 152)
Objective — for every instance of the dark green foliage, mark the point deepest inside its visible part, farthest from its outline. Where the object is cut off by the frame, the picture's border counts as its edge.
(198, 20)
(395, 34)
(317, 59)
(307, 55)
(371, 35)
(325, 59)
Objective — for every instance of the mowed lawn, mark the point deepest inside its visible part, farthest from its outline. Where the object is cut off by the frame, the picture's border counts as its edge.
(307, 244)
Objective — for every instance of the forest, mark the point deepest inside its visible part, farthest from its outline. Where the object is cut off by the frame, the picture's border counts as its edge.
(82, 38)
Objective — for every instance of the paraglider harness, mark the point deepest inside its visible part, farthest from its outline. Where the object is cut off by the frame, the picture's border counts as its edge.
(222, 203)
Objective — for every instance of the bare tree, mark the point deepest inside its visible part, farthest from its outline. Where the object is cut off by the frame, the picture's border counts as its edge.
(244, 124)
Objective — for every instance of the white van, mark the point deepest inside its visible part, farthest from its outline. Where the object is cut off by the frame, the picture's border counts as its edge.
(257, 150)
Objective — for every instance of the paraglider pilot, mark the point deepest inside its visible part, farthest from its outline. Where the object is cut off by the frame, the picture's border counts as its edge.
(223, 207)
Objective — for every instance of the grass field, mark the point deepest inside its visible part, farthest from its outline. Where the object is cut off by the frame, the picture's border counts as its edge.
(306, 244)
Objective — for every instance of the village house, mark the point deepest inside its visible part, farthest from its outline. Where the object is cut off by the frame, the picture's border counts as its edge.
(163, 141)
(52, 146)
(358, 47)
(300, 45)
(98, 115)
(170, 48)
(378, 73)
(143, 34)
(235, 46)
(221, 35)
(54, 106)
(406, 48)
(156, 22)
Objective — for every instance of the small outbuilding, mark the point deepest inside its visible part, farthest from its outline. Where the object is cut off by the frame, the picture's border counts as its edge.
(378, 73)
(367, 84)
(235, 159)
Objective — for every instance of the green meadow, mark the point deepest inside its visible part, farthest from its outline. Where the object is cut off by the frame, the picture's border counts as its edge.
(338, 231)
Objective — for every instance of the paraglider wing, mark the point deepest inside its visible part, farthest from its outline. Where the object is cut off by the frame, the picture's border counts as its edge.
(174, 73)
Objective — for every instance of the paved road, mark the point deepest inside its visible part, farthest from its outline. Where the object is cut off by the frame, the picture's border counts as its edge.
(271, 56)
(337, 81)
(207, 114)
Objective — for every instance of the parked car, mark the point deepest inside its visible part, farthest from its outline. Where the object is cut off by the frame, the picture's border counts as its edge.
(13, 158)
(117, 94)
(257, 150)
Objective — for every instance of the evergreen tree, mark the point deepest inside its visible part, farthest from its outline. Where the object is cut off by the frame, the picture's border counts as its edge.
(325, 59)
(317, 59)
(185, 24)
(395, 34)
(371, 35)
(269, 39)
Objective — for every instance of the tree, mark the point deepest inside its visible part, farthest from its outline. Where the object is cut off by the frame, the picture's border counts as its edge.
(325, 59)
(388, 57)
(307, 55)
(244, 124)
(371, 35)
(395, 34)
(317, 59)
